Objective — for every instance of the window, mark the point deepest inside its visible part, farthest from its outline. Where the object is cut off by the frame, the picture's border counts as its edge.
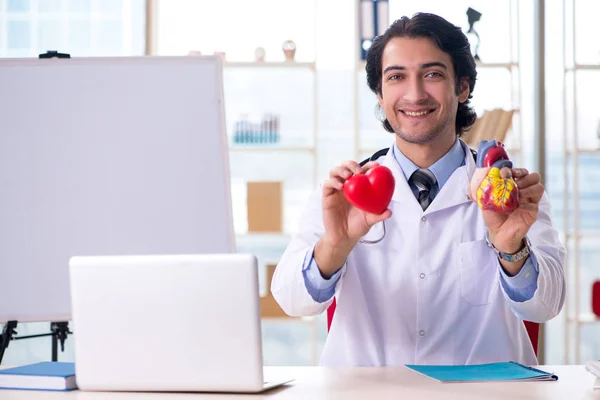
(81, 28)
(572, 118)
(236, 27)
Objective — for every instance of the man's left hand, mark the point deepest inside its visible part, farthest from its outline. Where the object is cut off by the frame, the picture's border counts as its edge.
(507, 232)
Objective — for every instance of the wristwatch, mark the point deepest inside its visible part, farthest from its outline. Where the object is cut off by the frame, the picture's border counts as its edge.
(514, 257)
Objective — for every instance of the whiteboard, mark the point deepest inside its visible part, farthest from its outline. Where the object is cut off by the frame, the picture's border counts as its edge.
(106, 156)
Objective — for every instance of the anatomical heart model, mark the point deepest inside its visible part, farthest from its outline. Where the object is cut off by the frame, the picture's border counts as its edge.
(492, 185)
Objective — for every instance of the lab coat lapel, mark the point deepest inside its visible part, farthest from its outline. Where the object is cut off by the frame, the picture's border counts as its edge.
(456, 189)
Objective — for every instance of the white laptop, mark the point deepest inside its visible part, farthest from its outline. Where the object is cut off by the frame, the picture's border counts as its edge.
(167, 323)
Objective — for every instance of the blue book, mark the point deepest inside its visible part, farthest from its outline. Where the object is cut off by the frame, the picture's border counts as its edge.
(503, 371)
(40, 376)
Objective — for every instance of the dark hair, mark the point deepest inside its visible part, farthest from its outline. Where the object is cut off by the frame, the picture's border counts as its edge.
(449, 38)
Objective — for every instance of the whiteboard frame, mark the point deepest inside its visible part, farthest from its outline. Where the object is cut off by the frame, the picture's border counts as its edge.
(98, 61)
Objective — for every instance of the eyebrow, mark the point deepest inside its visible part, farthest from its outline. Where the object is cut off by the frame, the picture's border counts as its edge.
(423, 66)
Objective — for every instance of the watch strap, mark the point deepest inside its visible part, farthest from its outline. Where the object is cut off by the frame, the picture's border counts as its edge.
(510, 257)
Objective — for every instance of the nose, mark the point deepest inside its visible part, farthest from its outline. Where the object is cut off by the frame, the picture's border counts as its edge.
(415, 91)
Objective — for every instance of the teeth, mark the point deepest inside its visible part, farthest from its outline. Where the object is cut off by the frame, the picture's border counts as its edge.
(416, 114)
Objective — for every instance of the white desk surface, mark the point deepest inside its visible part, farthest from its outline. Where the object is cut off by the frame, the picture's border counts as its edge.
(369, 383)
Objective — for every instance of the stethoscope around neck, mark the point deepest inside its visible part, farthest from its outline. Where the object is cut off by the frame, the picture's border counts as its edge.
(375, 156)
(365, 241)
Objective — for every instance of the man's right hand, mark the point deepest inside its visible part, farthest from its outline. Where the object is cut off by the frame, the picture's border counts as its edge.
(344, 224)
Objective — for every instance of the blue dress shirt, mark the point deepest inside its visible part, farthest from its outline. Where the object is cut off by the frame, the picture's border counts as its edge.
(520, 287)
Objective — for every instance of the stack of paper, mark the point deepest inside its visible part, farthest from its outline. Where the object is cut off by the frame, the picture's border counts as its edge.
(504, 371)
(594, 368)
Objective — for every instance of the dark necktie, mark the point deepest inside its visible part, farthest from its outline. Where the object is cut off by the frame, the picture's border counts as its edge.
(424, 180)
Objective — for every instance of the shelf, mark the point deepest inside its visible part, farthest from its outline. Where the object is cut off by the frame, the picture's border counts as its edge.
(263, 241)
(311, 319)
(371, 150)
(509, 65)
(361, 65)
(583, 67)
(277, 64)
(585, 318)
(268, 237)
(516, 110)
(584, 151)
(267, 247)
(584, 234)
(264, 148)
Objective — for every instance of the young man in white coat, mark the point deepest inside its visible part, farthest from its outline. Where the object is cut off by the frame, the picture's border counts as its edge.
(448, 283)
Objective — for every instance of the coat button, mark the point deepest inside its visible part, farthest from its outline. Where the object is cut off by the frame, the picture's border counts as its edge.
(422, 332)
(422, 275)
(423, 218)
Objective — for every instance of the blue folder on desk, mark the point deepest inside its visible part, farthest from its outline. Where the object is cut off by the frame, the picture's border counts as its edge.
(500, 372)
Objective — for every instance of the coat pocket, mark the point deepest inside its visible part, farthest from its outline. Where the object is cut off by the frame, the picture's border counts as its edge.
(478, 270)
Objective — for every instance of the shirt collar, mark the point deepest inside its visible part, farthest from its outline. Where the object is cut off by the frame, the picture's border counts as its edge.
(442, 168)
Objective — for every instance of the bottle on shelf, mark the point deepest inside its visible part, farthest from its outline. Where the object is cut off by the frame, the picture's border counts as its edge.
(263, 132)
(265, 126)
(237, 130)
(240, 131)
(276, 135)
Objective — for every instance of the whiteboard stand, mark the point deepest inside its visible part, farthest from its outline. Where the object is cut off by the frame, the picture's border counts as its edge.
(54, 54)
(7, 335)
(58, 330)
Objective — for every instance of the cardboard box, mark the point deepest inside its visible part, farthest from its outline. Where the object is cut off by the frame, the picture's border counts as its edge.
(264, 201)
(269, 308)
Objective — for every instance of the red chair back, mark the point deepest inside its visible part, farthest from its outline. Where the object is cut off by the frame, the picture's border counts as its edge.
(533, 328)
(595, 299)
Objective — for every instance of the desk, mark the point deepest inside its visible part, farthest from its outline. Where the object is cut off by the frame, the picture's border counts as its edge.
(316, 383)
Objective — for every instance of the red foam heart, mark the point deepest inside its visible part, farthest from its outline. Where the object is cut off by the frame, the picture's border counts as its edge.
(371, 192)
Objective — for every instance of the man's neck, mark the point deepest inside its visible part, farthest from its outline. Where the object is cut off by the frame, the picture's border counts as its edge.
(425, 155)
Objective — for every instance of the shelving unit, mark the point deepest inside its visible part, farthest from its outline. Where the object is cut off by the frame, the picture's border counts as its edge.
(576, 316)
(286, 89)
(273, 161)
(514, 147)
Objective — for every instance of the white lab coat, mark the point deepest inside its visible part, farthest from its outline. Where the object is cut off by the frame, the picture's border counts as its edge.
(430, 292)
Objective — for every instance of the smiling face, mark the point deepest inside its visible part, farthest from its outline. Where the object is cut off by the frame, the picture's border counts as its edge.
(418, 91)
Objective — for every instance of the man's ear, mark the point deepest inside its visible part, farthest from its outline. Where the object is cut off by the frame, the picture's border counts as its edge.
(380, 100)
(463, 94)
